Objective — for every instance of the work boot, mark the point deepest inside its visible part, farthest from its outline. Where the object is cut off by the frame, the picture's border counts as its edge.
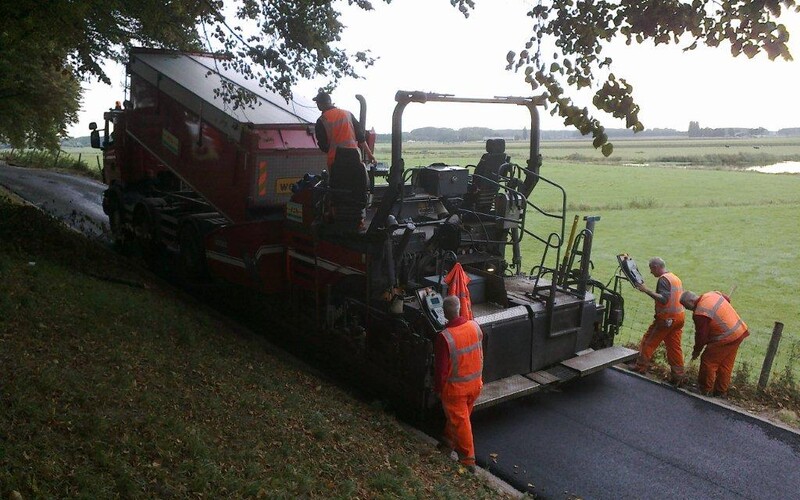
(635, 367)
(444, 448)
(677, 382)
(473, 469)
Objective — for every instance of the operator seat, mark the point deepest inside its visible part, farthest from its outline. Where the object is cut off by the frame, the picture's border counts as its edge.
(349, 189)
(488, 167)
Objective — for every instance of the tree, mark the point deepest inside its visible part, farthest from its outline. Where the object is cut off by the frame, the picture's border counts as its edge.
(694, 129)
(582, 29)
(47, 49)
(281, 42)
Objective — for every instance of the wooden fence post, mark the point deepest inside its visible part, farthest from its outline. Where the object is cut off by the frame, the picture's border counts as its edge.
(770, 357)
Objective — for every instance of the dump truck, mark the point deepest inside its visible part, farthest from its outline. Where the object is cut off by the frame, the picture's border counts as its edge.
(243, 194)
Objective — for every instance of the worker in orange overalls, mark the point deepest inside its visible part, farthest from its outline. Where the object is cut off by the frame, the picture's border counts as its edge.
(720, 330)
(667, 325)
(458, 368)
(338, 128)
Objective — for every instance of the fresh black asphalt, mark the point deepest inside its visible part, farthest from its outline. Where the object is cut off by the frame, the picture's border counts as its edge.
(614, 435)
(76, 201)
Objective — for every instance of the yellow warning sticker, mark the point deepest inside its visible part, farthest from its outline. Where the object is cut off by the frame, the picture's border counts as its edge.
(294, 211)
(170, 142)
(284, 185)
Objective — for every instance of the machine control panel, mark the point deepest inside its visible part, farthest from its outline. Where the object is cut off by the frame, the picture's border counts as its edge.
(629, 269)
(432, 303)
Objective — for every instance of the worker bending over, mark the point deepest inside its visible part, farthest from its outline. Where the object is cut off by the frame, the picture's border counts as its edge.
(338, 128)
(458, 360)
(667, 325)
(720, 330)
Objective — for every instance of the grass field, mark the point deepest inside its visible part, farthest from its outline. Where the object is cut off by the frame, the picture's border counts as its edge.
(82, 161)
(92, 157)
(716, 225)
(718, 153)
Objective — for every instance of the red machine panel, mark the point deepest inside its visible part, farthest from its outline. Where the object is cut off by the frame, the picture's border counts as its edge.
(235, 164)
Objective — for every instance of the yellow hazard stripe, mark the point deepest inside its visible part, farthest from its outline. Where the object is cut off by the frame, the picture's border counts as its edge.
(262, 178)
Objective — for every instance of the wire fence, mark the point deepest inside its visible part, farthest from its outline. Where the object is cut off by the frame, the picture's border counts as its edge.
(87, 162)
(752, 352)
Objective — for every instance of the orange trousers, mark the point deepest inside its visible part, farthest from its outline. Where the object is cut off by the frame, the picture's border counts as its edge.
(716, 366)
(458, 428)
(671, 336)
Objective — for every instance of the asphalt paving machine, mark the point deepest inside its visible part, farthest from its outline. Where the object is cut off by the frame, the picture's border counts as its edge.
(375, 243)
(242, 194)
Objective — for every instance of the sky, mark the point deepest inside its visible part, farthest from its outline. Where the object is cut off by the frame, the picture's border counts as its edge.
(428, 45)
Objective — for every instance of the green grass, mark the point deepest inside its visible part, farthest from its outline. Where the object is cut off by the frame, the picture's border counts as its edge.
(717, 153)
(127, 390)
(92, 157)
(83, 161)
(715, 229)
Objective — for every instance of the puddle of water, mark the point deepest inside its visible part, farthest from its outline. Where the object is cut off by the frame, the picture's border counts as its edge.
(784, 167)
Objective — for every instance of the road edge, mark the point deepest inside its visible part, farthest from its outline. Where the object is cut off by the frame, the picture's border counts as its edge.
(716, 401)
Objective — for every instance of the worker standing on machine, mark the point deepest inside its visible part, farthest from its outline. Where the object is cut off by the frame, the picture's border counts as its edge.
(720, 329)
(667, 325)
(458, 362)
(338, 128)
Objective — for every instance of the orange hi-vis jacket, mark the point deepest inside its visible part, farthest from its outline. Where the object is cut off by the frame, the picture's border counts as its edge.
(338, 125)
(726, 326)
(458, 285)
(673, 308)
(466, 359)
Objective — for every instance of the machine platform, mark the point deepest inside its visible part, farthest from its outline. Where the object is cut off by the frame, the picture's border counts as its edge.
(588, 362)
(597, 360)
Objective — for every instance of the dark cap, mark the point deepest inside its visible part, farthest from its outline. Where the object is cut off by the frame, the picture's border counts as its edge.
(322, 97)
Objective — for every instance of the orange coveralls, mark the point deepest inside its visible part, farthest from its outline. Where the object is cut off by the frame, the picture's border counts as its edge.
(340, 131)
(667, 327)
(457, 284)
(458, 378)
(719, 328)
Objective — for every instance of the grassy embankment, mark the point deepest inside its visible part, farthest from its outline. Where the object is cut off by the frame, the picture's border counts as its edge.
(715, 225)
(111, 386)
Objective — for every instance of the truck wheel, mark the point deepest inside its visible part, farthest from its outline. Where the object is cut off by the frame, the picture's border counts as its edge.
(193, 253)
(119, 234)
(144, 228)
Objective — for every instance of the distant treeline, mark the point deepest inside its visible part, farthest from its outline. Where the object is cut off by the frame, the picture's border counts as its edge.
(435, 134)
(696, 131)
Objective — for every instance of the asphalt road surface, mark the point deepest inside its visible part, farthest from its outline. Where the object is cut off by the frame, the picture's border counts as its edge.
(74, 200)
(612, 435)
(615, 435)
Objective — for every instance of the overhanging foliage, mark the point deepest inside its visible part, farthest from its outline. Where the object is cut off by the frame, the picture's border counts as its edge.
(47, 50)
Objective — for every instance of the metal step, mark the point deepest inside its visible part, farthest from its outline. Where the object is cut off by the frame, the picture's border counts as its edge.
(595, 361)
(516, 386)
(504, 389)
(543, 377)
